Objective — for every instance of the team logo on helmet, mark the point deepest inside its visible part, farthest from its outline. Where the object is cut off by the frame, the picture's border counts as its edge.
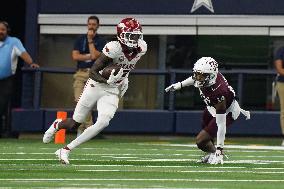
(205, 72)
(129, 31)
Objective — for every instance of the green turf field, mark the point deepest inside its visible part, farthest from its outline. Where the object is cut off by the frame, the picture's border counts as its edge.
(141, 162)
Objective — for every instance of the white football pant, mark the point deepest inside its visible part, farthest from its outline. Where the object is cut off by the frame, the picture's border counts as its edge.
(107, 104)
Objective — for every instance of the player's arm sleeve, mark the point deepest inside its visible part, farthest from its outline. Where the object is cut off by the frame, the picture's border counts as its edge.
(221, 122)
(111, 49)
(143, 46)
(100, 64)
(187, 82)
(19, 48)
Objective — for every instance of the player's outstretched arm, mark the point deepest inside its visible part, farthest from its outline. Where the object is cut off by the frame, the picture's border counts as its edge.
(177, 86)
(221, 132)
(100, 64)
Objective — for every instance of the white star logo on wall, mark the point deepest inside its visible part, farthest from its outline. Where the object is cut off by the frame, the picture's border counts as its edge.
(199, 3)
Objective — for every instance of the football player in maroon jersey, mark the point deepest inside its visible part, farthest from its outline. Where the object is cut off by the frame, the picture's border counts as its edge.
(221, 109)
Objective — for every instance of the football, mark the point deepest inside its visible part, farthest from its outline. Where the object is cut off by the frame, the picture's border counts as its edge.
(107, 70)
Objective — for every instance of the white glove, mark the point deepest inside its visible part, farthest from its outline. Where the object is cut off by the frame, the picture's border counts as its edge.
(113, 79)
(174, 87)
(124, 87)
(216, 158)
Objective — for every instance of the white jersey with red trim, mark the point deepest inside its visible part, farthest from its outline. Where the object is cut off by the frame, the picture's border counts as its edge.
(127, 61)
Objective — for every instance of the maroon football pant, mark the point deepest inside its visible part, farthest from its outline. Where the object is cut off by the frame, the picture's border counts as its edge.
(209, 123)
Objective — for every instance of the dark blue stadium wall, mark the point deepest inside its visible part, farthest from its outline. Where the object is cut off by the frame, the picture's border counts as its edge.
(157, 121)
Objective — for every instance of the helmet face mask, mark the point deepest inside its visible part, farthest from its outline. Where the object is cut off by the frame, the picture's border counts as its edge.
(129, 32)
(205, 72)
(130, 39)
(201, 79)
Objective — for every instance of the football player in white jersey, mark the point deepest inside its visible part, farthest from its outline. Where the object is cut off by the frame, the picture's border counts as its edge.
(125, 52)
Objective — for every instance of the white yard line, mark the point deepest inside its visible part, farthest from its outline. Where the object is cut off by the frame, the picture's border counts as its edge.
(268, 156)
(83, 159)
(119, 149)
(131, 155)
(102, 165)
(106, 170)
(245, 147)
(139, 179)
(268, 168)
(233, 171)
(247, 151)
(148, 166)
(226, 161)
(179, 171)
(149, 160)
(25, 153)
(251, 151)
(251, 147)
(159, 166)
(120, 157)
(224, 167)
(124, 185)
(254, 161)
(90, 154)
(38, 159)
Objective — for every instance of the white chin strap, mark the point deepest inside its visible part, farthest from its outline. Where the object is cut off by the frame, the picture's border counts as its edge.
(198, 84)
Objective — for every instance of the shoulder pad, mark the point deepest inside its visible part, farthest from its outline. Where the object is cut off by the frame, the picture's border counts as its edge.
(143, 45)
(112, 49)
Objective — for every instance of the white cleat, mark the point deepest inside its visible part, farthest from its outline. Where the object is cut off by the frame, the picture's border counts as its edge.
(216, 158)
(62, 154)
(205, 158)
(49, 133)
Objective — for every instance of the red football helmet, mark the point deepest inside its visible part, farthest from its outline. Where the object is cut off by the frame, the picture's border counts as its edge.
(129, 31)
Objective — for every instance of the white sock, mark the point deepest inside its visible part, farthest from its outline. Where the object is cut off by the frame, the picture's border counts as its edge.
(90, 132)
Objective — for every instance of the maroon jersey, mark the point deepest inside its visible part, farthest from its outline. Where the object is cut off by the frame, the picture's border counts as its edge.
(218, 92)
